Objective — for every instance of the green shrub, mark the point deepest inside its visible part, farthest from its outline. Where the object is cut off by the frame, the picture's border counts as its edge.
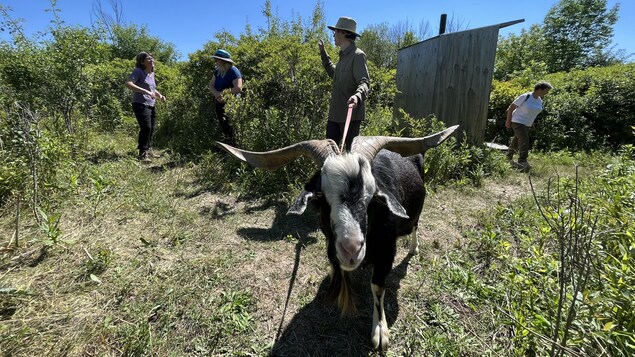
(285, 99)
(186, 121)
(588, 109)
(32, 156)
(452, 162)
(503, 93)
(565, 271)
(109, 100)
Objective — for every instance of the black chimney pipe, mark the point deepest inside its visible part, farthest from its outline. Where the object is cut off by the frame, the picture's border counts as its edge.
(444, 17)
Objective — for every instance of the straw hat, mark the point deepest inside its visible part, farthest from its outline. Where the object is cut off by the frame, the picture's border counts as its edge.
(223, 56)
(346, 24)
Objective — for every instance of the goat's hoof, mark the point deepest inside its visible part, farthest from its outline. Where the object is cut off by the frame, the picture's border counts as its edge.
(413, 252)
(380, 338)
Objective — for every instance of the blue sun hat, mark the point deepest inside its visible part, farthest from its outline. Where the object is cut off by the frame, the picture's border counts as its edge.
(223, 56)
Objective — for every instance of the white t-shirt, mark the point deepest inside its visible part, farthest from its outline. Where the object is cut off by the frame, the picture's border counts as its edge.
(527, 110)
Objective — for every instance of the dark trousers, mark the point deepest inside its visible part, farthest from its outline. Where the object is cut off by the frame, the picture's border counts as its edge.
(223, 122)
(335, 131)
(520, 143)
(146, 117)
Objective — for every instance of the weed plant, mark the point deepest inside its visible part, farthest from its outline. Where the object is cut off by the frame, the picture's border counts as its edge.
(557, 271)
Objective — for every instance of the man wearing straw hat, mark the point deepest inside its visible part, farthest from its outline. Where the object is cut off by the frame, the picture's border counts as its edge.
(351, 82)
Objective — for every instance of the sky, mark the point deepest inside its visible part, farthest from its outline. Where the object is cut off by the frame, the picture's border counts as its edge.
(190, 24)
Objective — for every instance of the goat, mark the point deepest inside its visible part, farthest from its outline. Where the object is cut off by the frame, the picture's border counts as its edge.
(365, 199)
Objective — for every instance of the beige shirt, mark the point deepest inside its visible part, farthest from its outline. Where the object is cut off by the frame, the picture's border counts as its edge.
(350, 77)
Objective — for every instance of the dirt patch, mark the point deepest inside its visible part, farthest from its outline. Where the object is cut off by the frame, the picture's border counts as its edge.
(277, 259)
(288, 269)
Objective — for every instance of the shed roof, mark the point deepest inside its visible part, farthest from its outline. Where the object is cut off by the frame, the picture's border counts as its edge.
(500, 26)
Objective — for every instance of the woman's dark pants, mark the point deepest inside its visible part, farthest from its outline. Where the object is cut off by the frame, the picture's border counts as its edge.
(223, 122)
(146, 117)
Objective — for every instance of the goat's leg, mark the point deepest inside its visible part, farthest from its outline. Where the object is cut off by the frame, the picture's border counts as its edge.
(381, 254)
(414, 243)
(380, 333)
(381, 269)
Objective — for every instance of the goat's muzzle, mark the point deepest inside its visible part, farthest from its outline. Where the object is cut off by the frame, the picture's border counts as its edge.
(350, 253)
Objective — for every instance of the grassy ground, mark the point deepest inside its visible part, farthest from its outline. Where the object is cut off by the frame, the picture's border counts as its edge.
(152, 263)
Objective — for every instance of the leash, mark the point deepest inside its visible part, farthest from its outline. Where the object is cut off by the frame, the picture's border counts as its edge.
(348, 121)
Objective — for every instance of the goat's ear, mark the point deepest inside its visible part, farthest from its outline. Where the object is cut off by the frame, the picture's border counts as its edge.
(393, 205)
(300, 203)
(311, 191)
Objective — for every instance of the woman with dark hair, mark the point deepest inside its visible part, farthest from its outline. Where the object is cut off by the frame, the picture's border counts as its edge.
(351, 82)
(226, 77)
(144, 95)
(520, 118)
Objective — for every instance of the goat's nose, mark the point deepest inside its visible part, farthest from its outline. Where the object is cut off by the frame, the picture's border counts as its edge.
(352, 247)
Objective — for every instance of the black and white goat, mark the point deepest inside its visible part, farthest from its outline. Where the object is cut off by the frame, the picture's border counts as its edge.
(366, 198)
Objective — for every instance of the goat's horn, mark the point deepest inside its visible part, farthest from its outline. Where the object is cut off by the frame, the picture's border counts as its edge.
(369, 146)
(318, 150)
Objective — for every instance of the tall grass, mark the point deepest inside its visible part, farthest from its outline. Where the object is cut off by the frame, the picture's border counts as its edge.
(555, 274)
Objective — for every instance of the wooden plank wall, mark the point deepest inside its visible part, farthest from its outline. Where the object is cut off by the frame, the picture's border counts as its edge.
(449, 76)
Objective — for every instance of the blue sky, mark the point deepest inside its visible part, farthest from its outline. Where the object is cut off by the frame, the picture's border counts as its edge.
(190, 24)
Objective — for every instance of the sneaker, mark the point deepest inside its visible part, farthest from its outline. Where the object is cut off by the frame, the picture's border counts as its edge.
(144, 158)
(153, 154)
(524, 166)
(520, 166)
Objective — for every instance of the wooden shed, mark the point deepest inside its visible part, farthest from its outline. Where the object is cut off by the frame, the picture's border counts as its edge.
(450, 76)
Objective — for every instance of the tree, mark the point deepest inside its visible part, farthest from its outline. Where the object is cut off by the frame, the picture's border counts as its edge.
(105, 19)
(67, 57)
(575, 34)
(518, 54)
(47, 73)
(455, 24)
(578, 33)
(380, 42)
(317, 28)
(377, 45)
(402, 34)
(128, 40)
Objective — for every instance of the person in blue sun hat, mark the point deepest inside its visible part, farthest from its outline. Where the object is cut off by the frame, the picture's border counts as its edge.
(226, 77)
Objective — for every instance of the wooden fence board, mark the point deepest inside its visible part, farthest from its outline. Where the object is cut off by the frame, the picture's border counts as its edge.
(449, 76)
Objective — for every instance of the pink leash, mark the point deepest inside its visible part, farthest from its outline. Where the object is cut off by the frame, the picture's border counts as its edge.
(348, 121)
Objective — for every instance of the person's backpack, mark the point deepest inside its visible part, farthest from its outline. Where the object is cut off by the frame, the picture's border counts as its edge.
(526, 97)
(521, 104)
